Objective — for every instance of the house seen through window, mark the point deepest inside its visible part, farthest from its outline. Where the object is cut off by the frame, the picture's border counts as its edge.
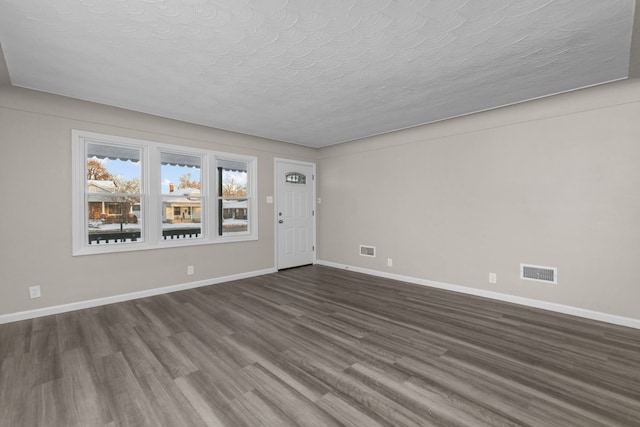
(114, 195)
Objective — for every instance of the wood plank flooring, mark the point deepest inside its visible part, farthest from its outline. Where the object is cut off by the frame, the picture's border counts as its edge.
(316, 346)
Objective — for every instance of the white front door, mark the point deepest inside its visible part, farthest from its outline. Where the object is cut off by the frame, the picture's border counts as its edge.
(295, 194)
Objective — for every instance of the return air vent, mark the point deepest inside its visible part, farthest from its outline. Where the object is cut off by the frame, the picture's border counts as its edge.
(539, 273)
(368, 251)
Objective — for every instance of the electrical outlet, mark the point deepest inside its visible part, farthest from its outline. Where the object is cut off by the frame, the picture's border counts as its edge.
(493, 278)
(34, 292)
(190, 270)
(389, 262)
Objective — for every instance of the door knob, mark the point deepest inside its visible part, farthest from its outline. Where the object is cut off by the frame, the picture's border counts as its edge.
(280, 222)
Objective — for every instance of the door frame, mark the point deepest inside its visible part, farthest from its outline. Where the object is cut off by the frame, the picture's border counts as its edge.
(277, 160)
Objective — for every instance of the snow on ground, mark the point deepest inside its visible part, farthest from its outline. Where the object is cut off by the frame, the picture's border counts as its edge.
(98, 226)
(236, 222)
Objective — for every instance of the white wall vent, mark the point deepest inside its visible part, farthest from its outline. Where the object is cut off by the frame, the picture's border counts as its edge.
(539, 273)
(368, 251)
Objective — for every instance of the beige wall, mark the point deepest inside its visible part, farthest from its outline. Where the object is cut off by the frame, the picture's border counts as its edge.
(35, 219)
(553, 182)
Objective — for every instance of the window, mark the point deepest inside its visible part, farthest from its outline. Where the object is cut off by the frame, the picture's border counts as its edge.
(113, 193)
(182, 198)
(131, 194)
(233, 197)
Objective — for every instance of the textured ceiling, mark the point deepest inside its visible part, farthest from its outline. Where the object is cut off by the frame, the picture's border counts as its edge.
(314, 72)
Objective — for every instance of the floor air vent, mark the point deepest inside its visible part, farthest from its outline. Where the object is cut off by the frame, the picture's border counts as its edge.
(367, 251)
(539, 273)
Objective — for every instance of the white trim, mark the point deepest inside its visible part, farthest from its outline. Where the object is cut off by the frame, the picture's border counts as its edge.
(559, 308)
(57, 309)
(276, 160)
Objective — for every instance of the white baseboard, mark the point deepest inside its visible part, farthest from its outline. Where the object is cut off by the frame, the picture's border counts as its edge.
(559, 308)
(565, 309)
(47, 311)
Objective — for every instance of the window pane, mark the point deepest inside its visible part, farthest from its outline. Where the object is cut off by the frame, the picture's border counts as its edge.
(181, 196)
(235, 216)
(113, 219)
(113, 169)
(180, 172)
(234, 182)
(181, 217)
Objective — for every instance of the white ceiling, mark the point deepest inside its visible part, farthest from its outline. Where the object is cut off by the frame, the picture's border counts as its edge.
(314, 72)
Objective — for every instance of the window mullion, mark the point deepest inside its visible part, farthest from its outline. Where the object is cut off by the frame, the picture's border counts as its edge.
(152, 195)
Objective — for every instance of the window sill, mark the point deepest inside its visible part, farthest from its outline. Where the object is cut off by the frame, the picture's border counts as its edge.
(108, 248)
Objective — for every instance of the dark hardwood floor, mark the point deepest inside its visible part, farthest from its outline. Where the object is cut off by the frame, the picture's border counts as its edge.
(316, 346)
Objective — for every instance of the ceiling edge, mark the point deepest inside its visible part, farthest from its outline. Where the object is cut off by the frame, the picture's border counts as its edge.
(634, 55)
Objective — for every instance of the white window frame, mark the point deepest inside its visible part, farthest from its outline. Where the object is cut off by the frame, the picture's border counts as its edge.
(151, 198)
(252, 208)
(205, 188)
